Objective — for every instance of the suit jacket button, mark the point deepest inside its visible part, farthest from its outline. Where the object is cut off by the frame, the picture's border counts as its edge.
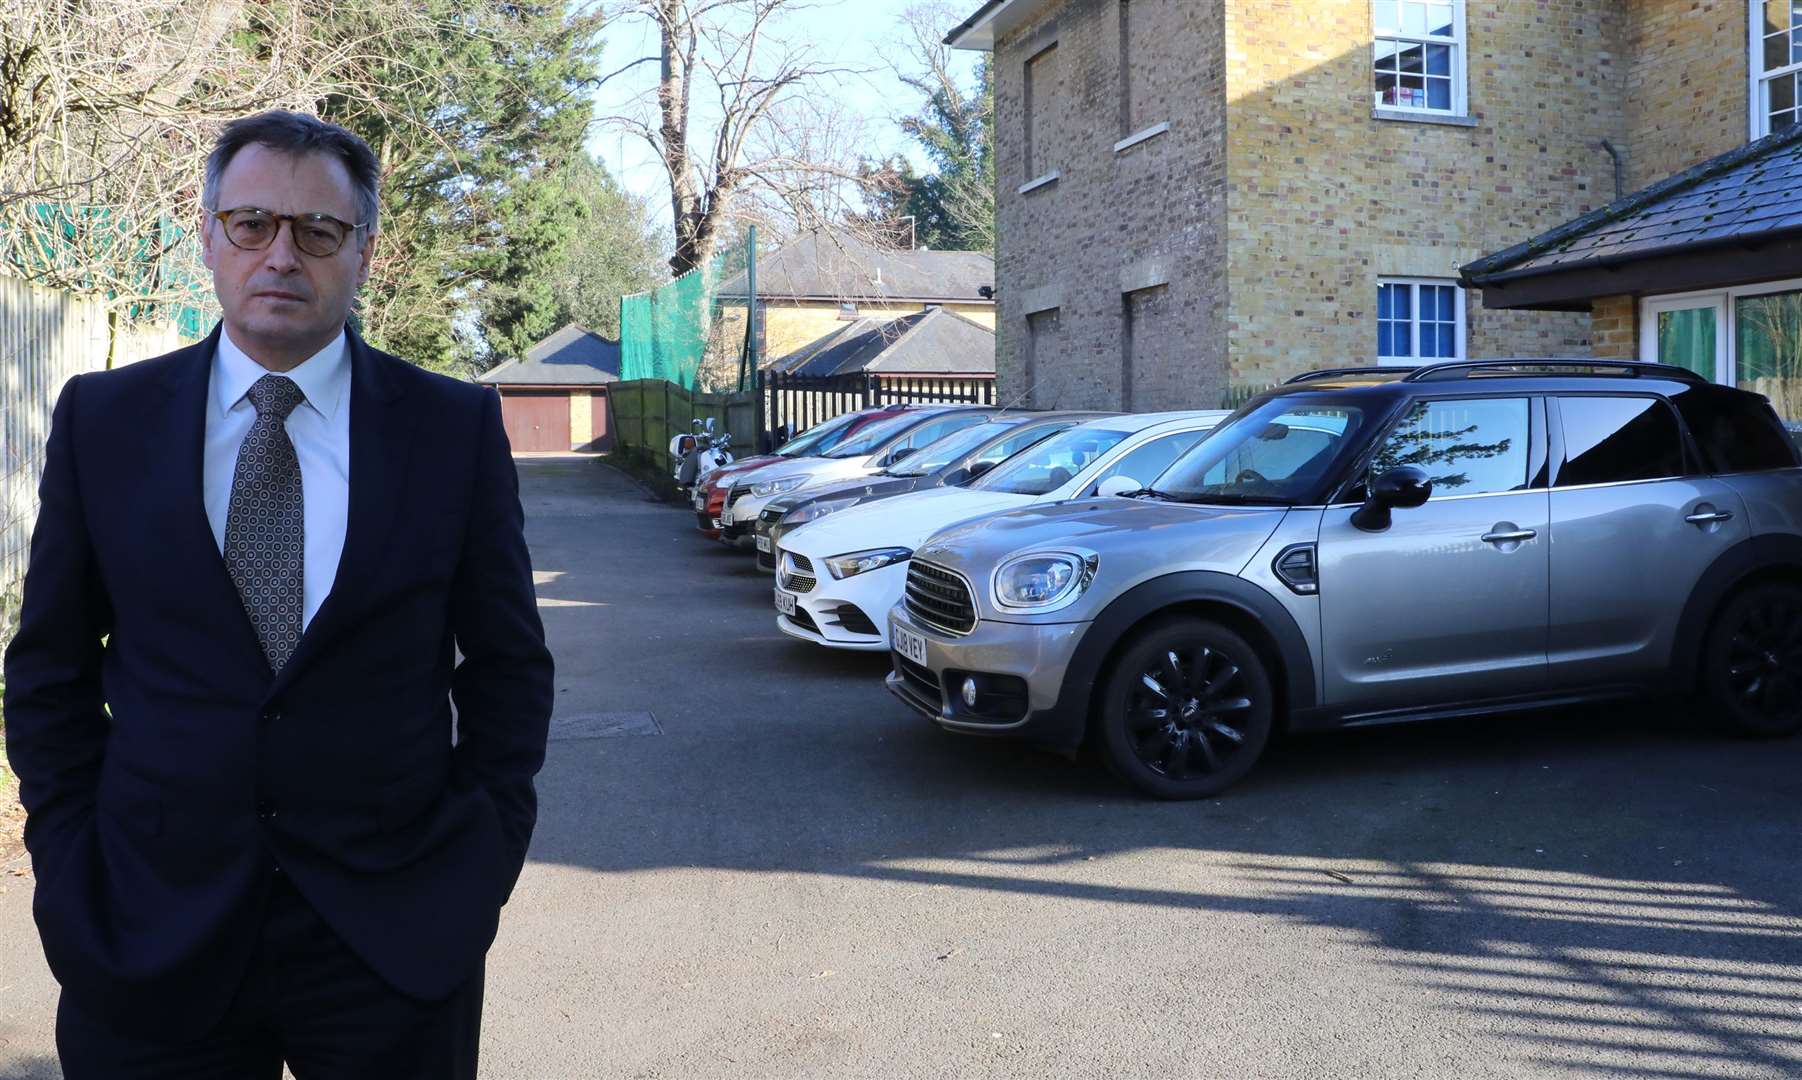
(265, 810)
(270, 716)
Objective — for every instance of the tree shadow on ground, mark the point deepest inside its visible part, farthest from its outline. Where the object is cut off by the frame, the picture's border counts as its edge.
(1615, 889)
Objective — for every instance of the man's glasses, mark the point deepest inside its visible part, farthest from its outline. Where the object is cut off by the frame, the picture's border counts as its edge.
(319, 235)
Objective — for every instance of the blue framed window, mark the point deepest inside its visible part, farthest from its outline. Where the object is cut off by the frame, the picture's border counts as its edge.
(1419, 320)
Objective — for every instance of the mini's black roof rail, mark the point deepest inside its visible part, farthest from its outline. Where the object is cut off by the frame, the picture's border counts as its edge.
(1339, 372)
(1461, 369)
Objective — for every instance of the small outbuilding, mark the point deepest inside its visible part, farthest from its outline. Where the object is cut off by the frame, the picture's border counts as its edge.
(555, 397)
(937, 342)
(1702, 270)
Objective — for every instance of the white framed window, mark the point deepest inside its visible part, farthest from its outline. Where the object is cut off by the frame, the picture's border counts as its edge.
(1419, 320)
(1419, 63)
(1749, 336)
(1776, 92)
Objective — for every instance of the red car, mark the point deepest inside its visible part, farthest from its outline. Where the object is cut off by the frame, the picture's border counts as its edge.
(710, 502)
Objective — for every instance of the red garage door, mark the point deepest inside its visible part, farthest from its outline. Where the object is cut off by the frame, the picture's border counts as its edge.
(536, 419)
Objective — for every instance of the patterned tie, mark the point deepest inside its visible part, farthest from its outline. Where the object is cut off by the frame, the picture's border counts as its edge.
(265, 532)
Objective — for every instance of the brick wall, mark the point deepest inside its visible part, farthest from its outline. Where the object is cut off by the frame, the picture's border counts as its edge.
(1140, 230)
(1267, 213)
(1614, 325)
(1325, 199)
(1686, 86)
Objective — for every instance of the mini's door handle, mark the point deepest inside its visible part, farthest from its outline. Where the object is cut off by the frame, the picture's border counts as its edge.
(1709, 517)
(1513, 536)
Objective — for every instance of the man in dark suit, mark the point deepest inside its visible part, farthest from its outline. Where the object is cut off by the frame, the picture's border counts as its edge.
(258, 834)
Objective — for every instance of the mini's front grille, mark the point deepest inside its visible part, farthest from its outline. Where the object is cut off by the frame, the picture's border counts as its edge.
(918, 679)
(939, 598)
(802, 619)
(850, 617)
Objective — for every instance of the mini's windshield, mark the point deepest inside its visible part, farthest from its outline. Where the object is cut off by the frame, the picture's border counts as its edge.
(874, 434)
(1051, 464)
(935, 456)
(1278, 453)
(820, 438)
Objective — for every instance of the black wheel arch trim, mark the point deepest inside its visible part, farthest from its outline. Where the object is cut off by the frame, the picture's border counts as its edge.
(1069, 724)
(1754, 555)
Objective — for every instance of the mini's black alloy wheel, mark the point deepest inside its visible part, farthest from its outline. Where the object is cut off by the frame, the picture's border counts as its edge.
(1752, 668)
(1186, 711)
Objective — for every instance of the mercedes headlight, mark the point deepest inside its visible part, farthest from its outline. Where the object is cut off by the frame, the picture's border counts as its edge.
(815, 510)
(1043, 581)
(777, 486)
(862, 562)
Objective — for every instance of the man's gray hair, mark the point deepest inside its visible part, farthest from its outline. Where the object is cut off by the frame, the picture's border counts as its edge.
(295, 134)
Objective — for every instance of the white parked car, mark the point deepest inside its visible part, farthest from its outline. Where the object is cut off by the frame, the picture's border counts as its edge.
(877, 446)
(838, 577)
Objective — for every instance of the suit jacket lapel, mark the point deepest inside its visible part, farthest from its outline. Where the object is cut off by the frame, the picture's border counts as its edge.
(175, 445)
(381, 430)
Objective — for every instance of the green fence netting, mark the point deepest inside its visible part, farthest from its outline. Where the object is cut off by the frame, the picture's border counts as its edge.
(667, 333)
(149, 259)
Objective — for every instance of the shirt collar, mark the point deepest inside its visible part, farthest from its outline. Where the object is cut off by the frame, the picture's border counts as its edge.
(322, 377)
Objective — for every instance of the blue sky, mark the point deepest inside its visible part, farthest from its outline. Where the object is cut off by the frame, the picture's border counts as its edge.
(852, 34)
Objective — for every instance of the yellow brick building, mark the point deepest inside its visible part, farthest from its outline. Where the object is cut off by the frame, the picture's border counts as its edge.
(1197, 197)
(815, 285)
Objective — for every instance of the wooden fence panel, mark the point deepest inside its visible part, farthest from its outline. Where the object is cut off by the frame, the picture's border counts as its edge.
(46, 337)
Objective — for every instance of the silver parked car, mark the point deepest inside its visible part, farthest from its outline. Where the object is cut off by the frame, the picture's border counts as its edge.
(1369, 545)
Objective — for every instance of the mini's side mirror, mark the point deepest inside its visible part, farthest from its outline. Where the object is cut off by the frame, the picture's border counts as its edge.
(1118, 484)
(1401, 488)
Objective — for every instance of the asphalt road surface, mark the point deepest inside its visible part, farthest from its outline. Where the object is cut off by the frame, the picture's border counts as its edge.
(751, 862)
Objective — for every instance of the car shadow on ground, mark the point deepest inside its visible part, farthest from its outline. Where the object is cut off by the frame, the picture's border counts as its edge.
(1614, 888)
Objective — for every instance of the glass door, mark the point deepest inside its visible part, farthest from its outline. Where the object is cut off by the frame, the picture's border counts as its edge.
(1768, 348)
(1689, 333)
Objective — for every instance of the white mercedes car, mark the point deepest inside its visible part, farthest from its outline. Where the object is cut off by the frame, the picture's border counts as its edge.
(838, 576)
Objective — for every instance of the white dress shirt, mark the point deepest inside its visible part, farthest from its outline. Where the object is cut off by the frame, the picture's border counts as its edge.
(320, 430)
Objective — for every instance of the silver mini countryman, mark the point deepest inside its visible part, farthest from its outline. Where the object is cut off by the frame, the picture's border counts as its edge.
(1369, 545)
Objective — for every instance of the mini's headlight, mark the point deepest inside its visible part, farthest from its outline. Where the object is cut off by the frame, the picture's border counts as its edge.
(862, 562)
(777, 486)
(1042, 581)
(814, 510)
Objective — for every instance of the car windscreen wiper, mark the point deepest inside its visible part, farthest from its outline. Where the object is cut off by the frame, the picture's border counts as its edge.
(1149, 493)
(1232, 499)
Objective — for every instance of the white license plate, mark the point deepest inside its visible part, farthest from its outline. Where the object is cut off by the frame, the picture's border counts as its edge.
(909, 644)
(763, 544)
(785, 602)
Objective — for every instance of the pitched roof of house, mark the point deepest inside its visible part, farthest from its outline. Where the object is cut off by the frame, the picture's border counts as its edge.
(1750, 195)
(840, 267)
(933, 342)
(573, 356)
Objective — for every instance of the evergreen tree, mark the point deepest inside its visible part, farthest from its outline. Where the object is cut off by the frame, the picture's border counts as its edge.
(953, 207)
(475, 122)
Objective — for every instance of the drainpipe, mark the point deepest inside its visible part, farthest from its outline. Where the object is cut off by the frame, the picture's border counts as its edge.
(1619, 185)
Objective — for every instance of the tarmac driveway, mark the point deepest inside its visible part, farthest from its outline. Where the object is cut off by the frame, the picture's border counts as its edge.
(751, 862)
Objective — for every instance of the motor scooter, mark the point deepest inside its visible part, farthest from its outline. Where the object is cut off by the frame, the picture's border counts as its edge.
(698, 454)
